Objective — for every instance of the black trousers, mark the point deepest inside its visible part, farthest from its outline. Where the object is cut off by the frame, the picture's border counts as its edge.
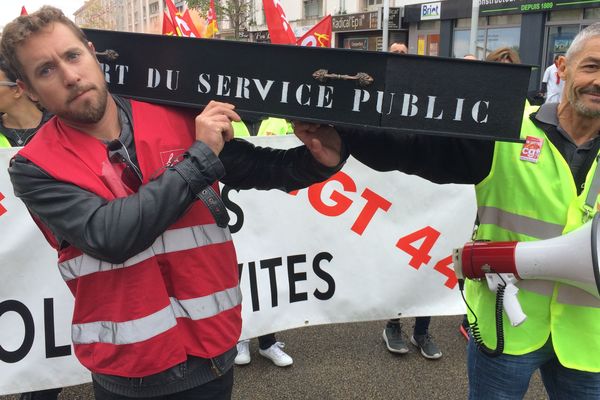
(217, 389)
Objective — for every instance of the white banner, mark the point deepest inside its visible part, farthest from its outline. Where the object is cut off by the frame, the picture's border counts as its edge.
(362, 246)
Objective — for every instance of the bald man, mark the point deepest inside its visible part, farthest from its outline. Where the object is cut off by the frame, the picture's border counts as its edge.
(399, 48)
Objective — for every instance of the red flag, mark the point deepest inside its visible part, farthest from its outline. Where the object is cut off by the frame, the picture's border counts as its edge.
(319, 35)
(279, 27)
(23, 10)
(211, 21)
(167, 26)
(182, 23)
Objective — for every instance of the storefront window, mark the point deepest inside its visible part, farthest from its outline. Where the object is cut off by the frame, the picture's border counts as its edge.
(428, 45)
(591, 13)
(429, 26)
(466, 22)
(488, 40)
(502, 37)
(559, 39)
(512, 19)
(462, 44)
(565, 15)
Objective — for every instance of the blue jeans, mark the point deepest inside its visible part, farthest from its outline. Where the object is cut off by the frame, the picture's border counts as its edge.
(506, 377)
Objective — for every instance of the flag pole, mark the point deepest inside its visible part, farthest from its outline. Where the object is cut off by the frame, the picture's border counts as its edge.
(385, 23)
(474, 25)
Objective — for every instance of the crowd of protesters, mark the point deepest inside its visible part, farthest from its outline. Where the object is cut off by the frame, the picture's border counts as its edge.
(87, 174)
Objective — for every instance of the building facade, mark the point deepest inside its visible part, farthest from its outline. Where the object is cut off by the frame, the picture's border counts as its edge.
(537, 30)
(124, 15)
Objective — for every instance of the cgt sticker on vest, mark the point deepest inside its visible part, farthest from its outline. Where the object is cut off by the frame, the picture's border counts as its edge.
(531, 149)
(171, 157)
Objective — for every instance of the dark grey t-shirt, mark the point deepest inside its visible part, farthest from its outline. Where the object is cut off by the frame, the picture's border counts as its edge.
(20, 137)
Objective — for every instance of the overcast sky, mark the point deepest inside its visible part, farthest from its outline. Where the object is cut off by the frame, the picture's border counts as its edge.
(10, 9)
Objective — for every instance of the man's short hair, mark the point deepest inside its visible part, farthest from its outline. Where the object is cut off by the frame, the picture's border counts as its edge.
(582, 37)
(21, 28)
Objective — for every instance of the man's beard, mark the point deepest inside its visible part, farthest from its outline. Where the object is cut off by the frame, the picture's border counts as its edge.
(94, 110)
(579, 105)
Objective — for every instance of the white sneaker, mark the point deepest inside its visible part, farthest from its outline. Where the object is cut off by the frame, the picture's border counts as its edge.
(277, 355)
(243, 355)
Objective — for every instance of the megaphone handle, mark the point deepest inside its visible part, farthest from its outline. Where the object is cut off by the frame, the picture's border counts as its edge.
(511, 305)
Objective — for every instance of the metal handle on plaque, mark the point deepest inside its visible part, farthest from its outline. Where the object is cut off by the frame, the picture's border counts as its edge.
(110, 54)
(322, 75)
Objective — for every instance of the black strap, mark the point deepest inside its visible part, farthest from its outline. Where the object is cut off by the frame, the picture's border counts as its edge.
(215, 205)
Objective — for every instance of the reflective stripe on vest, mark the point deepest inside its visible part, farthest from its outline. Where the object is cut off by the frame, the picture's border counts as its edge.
(518, 223)
(170, 241)
(141, 329)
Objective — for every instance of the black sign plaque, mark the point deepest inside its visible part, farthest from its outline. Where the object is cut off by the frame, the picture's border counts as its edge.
(430, 95)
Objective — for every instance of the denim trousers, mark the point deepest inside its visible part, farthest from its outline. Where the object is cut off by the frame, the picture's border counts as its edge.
(217, 389)
(507, 377)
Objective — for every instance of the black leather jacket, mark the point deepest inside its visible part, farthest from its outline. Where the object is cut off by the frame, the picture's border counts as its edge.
(116, 230)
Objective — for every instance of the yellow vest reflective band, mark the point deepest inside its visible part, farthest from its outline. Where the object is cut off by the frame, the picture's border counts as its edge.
(4, 141)
(525, 201)
(274, 126)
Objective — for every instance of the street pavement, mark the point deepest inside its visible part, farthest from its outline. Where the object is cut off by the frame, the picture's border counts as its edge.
(350, 361)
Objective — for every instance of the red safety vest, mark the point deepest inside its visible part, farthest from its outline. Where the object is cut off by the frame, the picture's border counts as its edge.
(178, 297)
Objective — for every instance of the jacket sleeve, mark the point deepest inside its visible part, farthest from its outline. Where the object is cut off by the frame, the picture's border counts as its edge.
(248, 166)
(440, 159)
(114, 230)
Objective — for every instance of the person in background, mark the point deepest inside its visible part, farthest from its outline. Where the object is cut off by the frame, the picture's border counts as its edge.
(20, 118)
(399, 48)
(504, 55)
(19, 121)
(521, 198)
(268, 345)
(127, 194)
(393, 336)
(552, 84)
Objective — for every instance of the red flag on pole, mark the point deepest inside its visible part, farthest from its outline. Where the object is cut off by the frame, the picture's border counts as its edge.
(319, 35)
(211, 21)
(279, 28)
(167, 26)
(23, 10)
(181, 22)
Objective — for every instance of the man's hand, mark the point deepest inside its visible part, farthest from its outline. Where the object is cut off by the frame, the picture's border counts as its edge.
(213, 125)
(323, 141)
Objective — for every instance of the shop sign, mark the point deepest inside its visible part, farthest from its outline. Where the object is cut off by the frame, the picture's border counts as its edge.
(357, 43)
(261, 36)
(244, 34)
(431, 11)
(440, 96)
(355, 22)
(394, 18)
(490, 7)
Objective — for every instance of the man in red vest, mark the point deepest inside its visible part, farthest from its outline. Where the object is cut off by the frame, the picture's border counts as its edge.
(127, 193)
